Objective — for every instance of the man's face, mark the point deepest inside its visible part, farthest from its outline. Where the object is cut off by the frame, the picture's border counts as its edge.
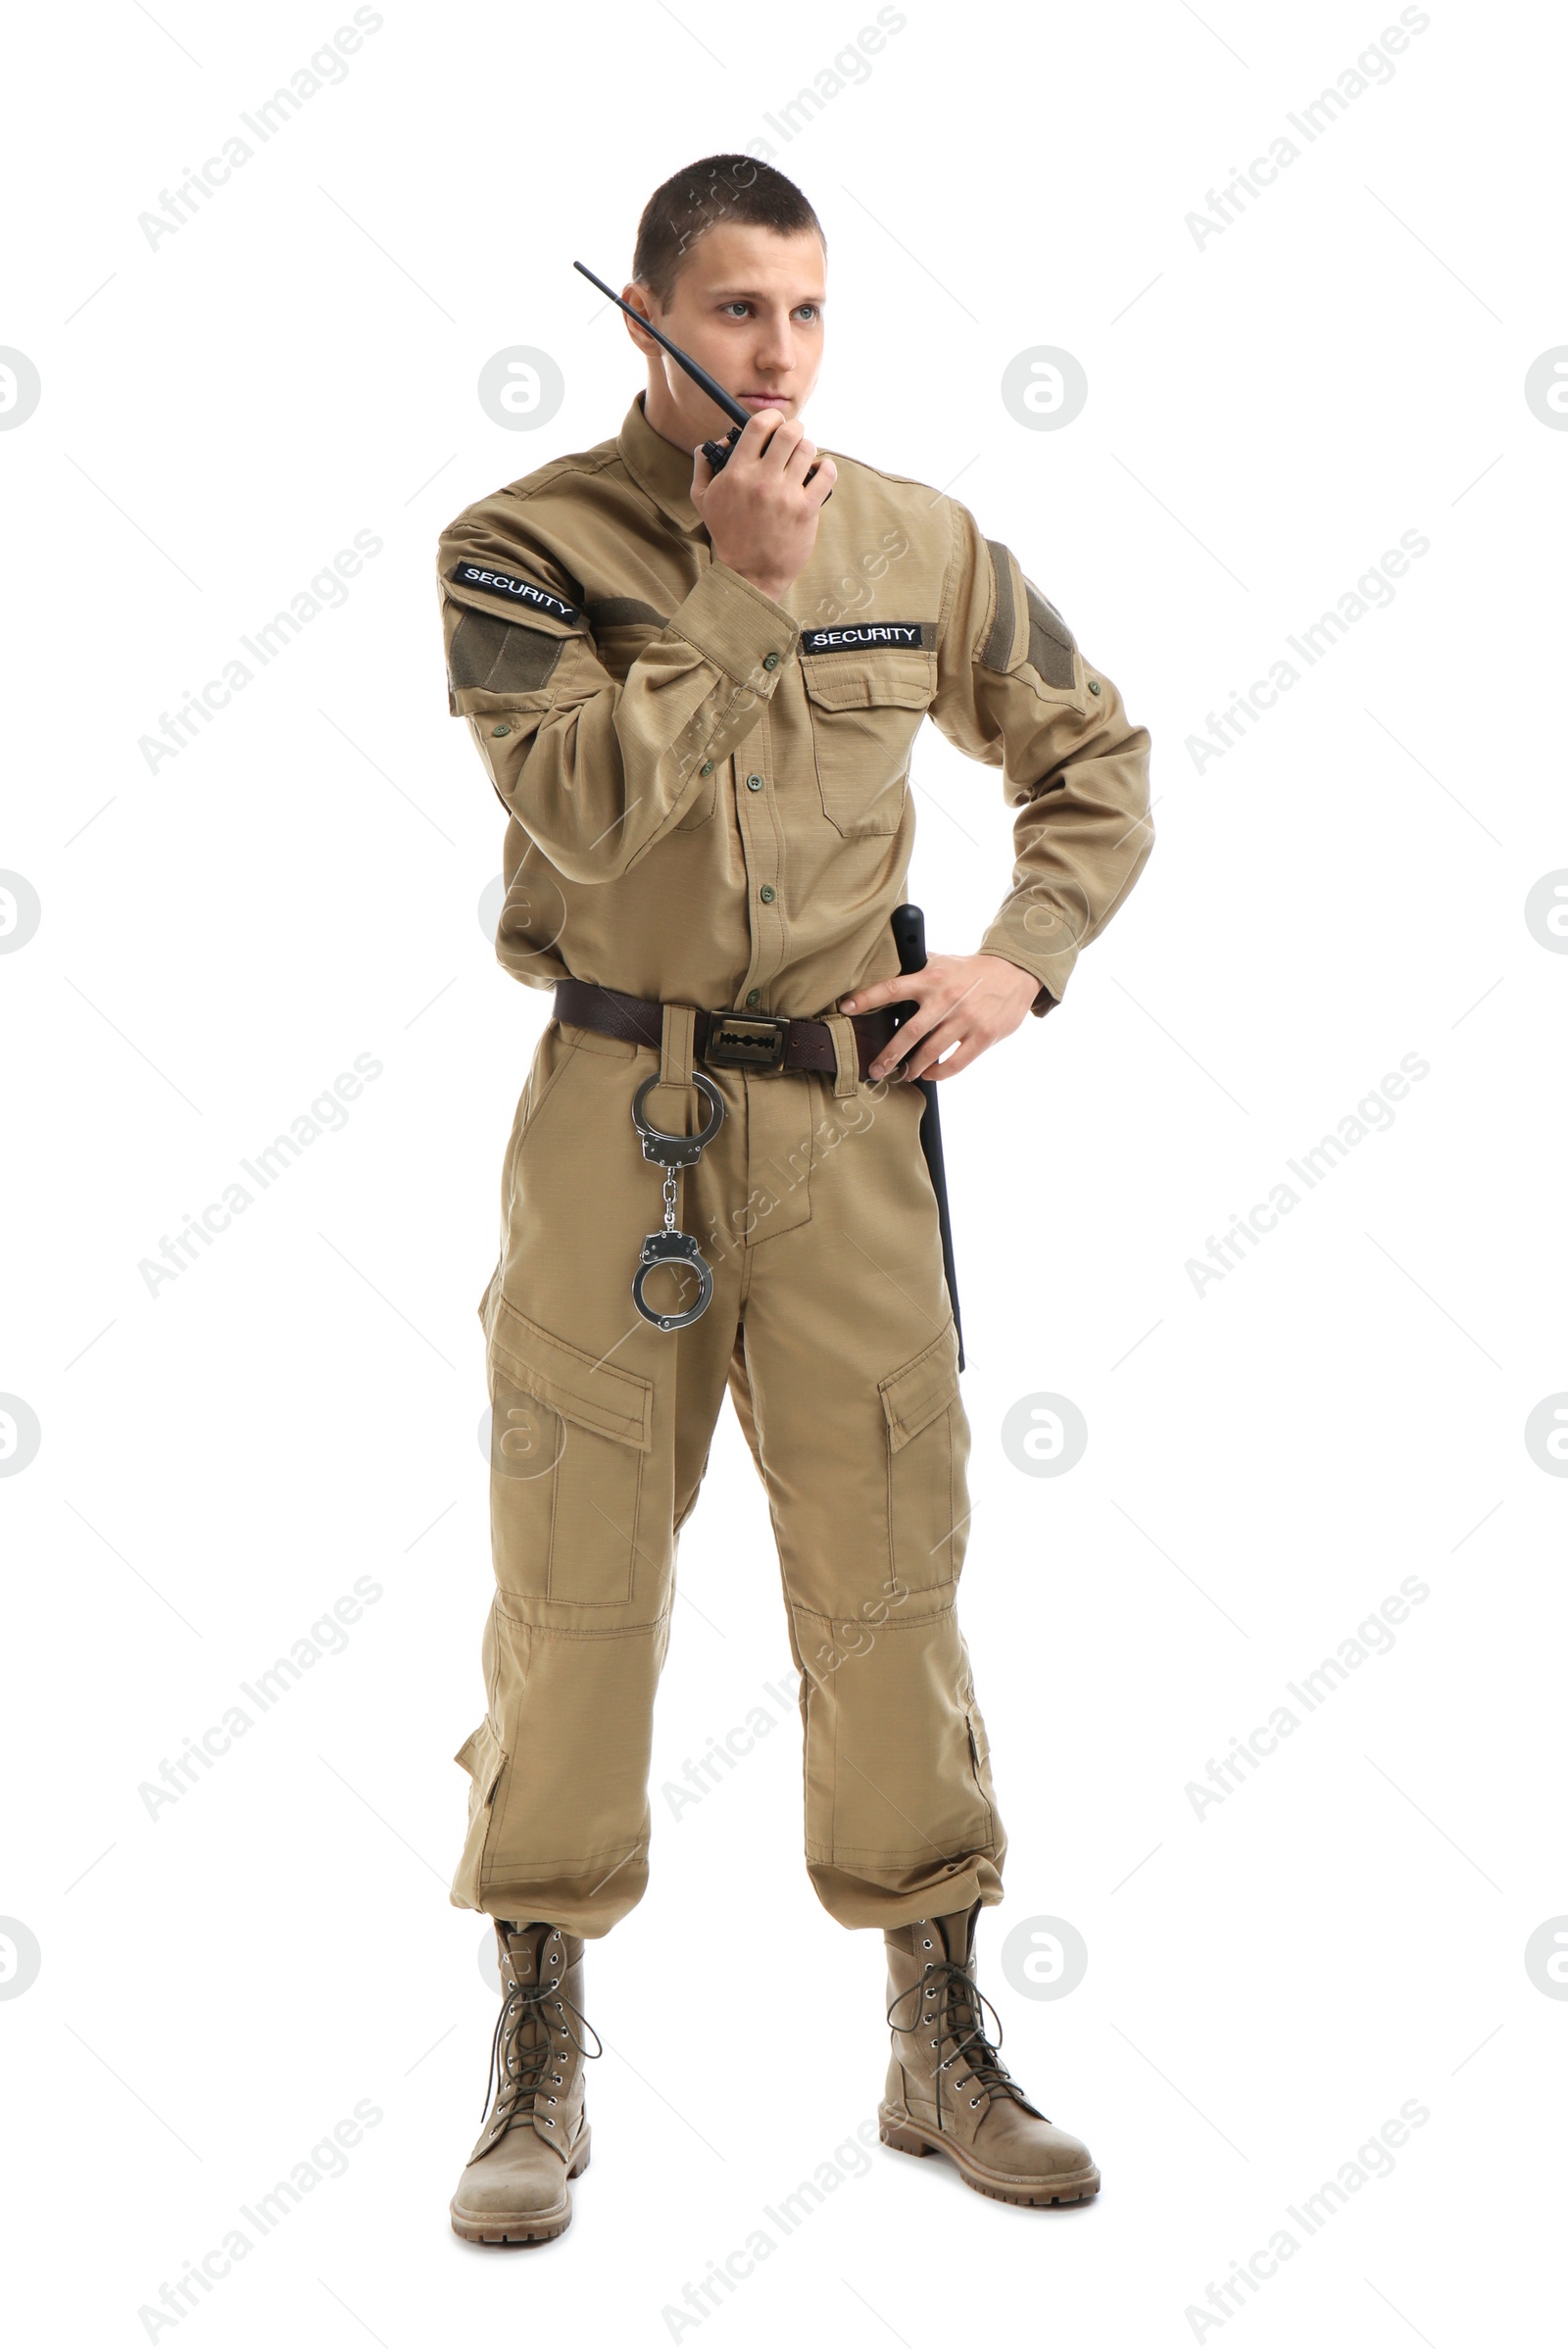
(748, 305)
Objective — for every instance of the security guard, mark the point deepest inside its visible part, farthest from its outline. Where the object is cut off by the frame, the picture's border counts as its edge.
(696, 695)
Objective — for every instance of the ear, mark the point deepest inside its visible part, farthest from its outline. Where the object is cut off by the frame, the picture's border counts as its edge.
(638, 296)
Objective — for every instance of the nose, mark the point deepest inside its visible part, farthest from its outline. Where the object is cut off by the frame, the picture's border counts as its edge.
(776, 348)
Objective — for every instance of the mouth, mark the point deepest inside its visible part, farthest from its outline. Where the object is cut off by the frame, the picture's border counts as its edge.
(756, 400)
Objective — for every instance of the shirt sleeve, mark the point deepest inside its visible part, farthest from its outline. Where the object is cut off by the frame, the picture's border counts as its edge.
(595, 769)
(1013, 691)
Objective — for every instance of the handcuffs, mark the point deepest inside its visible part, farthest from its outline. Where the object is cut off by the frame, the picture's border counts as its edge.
(670, 1246)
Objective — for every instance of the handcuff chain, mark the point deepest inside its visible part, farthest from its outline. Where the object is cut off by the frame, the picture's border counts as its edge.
(671, 1246)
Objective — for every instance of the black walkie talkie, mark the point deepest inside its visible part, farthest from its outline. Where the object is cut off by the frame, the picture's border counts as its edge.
(717, 452)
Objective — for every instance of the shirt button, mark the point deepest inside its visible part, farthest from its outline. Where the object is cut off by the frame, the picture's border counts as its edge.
(754, 782)
(498, 731)
(753, 994)
(769, 661)
(706, 766)
(1094, 685)
(766, 893)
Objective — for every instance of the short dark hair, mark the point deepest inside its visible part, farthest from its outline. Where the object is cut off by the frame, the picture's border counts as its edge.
(720, 187)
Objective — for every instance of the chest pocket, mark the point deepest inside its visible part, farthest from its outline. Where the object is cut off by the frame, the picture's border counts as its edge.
(866, 710)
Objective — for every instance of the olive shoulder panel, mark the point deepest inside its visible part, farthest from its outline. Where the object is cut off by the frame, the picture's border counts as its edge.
(1047, 643)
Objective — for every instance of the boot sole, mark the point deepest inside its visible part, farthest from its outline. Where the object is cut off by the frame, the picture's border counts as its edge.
(908, 2136)
(529, 2226)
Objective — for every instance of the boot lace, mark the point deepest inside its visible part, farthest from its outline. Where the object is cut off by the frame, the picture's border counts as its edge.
(521, 2053)
(951, 2007)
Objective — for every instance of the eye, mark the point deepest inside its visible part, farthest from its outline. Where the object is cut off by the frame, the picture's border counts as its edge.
(813, 308)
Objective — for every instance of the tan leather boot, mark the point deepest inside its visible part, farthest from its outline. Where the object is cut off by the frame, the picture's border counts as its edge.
(949, 2090)
(536, 2136)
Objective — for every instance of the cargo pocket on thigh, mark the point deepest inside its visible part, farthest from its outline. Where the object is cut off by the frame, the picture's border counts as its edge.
(569, 1435)
(484, 1757)
(927, 1492)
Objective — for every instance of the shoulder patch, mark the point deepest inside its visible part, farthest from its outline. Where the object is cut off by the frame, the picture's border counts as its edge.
(999, 643)
(490, 653)
(1051, 640)
(1050, 647)
(509, 588)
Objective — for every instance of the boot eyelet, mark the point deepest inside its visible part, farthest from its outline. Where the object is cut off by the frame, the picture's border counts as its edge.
(973, 2101)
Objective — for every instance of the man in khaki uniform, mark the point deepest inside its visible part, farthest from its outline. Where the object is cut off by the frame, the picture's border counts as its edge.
(696, 697)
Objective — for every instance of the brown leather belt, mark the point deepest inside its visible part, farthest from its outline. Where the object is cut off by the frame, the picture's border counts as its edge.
(724, 1039)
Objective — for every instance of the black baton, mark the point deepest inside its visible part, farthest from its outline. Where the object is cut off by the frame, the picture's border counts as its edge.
(908, 935)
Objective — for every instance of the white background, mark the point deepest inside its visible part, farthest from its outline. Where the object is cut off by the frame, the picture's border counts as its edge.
(1268, 411)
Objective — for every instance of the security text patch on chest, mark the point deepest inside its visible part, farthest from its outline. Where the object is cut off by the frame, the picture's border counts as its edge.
(861, 636)
(514, 590)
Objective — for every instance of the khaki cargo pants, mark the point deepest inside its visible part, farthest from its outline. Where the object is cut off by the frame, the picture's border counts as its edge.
(830, 1323)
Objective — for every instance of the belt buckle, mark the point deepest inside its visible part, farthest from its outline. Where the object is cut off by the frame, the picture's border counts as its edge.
(747, 1039)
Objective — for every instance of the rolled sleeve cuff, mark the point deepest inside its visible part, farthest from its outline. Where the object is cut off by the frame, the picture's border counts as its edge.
(738, 628)
(1022, 934)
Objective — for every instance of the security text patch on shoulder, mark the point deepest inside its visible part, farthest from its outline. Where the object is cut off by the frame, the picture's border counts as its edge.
(866, 635)
(514, 590)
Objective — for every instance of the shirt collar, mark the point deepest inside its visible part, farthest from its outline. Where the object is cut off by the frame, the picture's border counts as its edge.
(656, 466)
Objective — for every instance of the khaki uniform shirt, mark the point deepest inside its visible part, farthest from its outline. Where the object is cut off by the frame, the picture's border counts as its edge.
(709, 791)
